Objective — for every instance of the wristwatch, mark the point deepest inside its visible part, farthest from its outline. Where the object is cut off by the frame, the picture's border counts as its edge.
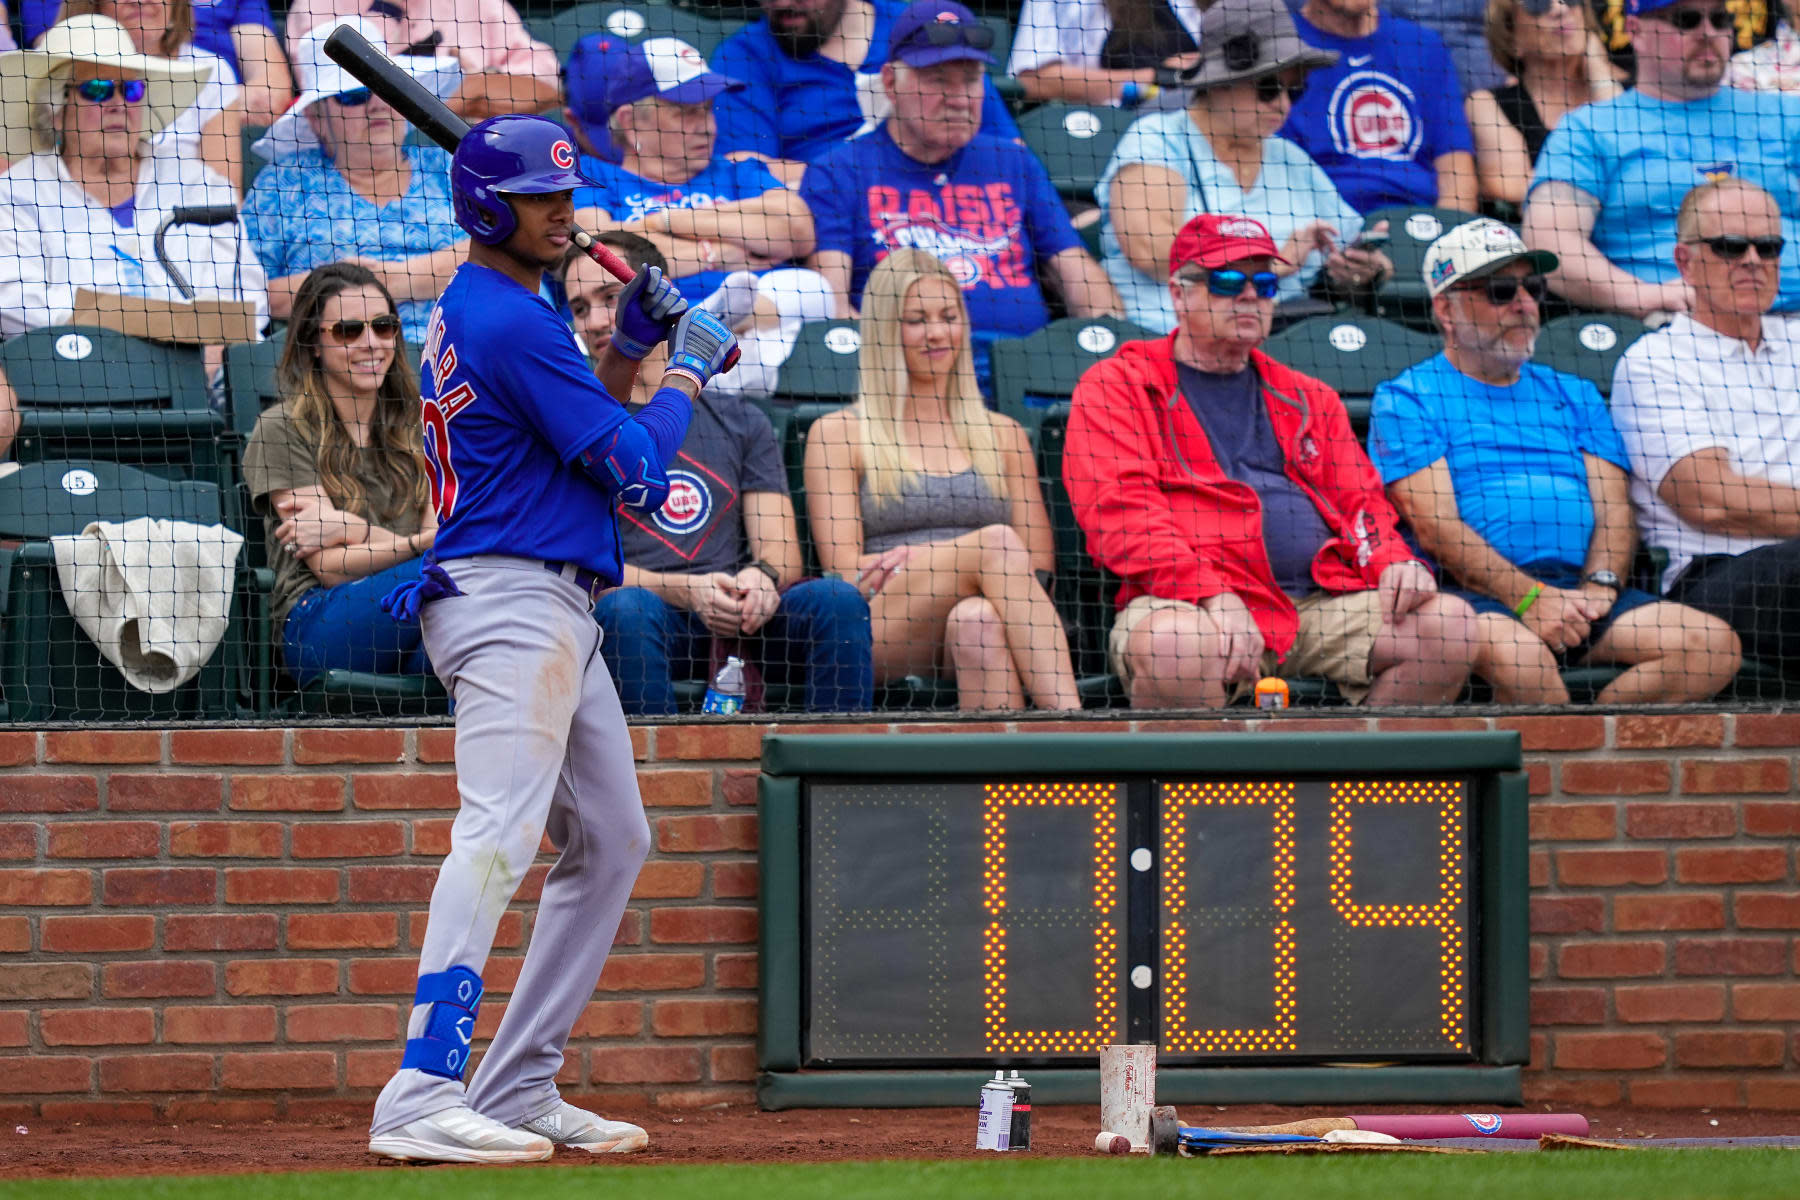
(1605, 579)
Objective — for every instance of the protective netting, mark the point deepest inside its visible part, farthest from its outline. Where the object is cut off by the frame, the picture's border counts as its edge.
(1095, 353)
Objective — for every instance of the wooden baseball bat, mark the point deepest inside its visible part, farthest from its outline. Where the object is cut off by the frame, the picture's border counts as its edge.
(1414, 1128)
(432, 117)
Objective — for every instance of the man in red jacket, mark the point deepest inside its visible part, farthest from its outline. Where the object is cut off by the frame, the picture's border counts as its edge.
(1249, 526)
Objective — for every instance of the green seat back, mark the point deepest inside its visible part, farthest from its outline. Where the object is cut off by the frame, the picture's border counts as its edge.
(1352, 353)
(1074, 142)
(1084, 590)
(42, 500)
(632, 22)
(823, 365)
(253, 162)
(1411, 228)
(1035, 374)
(1588, 345)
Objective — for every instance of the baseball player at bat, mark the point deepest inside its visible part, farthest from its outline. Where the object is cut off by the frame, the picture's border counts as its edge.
(530, 455)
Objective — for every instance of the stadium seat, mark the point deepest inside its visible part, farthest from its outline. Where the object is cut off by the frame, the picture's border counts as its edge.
(1036, 375)
(634, 22)
(823, 366)
(1411, 228)
(1084, 591)
(1588, 345)
(1351, 352)
(1074, 142)
(49, 669)
(253, 162)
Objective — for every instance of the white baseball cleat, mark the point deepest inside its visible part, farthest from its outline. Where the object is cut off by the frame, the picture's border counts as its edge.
(460, 1135)
(580, 1129)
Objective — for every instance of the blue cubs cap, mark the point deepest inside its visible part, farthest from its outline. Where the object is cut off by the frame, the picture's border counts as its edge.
(930, 32)
(605, 73)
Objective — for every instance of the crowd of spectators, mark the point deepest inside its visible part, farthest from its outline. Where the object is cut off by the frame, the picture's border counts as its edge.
(856, 160)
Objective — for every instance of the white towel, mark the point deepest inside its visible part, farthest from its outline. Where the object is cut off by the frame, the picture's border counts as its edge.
(154, 595)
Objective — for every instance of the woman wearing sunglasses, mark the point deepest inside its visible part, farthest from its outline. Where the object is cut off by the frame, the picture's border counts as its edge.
(80, 205)
(343, 184)
(1221, 155)
(338, 471)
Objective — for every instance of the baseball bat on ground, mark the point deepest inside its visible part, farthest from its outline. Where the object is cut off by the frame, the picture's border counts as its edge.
(432, 117)
(1409, 1127)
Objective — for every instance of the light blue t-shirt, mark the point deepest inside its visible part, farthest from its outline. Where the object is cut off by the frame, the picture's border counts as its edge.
(1514, 453)
(1639, 157)
(302, 213)
(1291, 191)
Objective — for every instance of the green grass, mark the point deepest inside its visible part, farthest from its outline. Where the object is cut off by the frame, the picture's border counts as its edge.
(1574, 1175)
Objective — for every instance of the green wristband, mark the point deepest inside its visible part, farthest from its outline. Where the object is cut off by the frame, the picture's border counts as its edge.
(1524, 606)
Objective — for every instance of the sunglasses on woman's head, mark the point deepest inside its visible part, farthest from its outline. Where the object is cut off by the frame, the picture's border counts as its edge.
(386, 327)
(1686, 20)
(1503, 289)
(354, 98)
(1733, 246)
(99, 91)
(1223, 281)
(954, 33)
(1269, 89)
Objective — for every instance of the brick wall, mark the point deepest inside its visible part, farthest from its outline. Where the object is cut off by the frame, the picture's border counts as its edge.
(202, 922)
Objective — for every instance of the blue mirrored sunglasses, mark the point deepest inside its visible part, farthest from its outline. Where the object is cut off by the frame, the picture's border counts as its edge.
(354, 98)
(1226, 282)
(99, 91)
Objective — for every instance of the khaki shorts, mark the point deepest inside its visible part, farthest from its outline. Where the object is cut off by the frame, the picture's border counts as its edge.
(1337, 636)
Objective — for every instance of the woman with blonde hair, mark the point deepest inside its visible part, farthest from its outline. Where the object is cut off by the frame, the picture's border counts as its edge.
(338, 471)
(930, 502)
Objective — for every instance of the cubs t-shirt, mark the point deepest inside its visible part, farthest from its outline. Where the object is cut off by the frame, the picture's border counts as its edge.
(729, 450)
(988, 212)
(1378, 119)
(629, 197)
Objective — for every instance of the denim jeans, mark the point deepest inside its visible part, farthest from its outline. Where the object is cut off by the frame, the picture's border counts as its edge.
(820, 632)
(343, 628)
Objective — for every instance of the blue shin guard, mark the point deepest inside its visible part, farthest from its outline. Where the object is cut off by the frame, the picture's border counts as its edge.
(455, 998)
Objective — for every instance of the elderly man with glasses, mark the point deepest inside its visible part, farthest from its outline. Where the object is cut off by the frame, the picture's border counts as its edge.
(1709, 408)
(1232, 496)
(1612, 174)
(1514, 479)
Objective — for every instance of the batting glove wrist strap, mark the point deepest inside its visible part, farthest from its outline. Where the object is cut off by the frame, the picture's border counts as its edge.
(702, 346)
(455, 998)
(629, 347)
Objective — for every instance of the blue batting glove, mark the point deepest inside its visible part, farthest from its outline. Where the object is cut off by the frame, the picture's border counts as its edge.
(702, 347)
(648, 308)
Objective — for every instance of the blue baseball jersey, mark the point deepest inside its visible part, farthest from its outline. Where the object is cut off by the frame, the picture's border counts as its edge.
(509, 405)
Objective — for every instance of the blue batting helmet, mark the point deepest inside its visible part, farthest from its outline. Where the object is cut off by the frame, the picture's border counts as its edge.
(518, 154)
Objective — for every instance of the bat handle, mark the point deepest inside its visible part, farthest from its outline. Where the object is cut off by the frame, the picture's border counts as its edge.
(615, 266)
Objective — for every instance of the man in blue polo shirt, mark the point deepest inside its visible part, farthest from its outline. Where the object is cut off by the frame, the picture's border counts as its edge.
(1386, 121)
(810, 70)
(1513, 476)
(928, 179)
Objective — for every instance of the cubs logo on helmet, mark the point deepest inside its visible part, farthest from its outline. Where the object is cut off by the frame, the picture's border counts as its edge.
(563, 155)
(689, 506)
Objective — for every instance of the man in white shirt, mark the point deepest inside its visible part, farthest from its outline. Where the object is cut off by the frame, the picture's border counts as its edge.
(1709, 408)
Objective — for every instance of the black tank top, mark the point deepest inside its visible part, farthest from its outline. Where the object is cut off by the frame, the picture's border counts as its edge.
(1134, 50)
(1516, 106)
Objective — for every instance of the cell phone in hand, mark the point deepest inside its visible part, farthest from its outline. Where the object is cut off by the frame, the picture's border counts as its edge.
(1370, 240)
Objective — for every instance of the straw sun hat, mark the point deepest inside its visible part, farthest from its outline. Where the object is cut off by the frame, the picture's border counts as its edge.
(27, 76)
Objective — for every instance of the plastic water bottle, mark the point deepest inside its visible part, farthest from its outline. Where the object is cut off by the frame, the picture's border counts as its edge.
(726, 695)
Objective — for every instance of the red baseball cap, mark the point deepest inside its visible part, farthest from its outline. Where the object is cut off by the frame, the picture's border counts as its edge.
(1220, 239)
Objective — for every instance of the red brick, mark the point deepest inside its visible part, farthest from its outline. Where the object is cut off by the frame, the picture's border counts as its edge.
(284, 1070)
(739, 787)
(1574, 822)
(1688, 1090)
(1766, 729)
(1766, 864)
(1737, 1048)
(50, 794)
(218, 1024)
(1765, 1001)
(1537, 776)
(370, 1069)
(1731, 956)
(287, 793)
(221, 1112)
(436, 746)
(343, 931)
(225, 839)
(105, 839)
(1568, 1006)
(392, 885)
(1664, 911)
(1615, 777)
(610, 1018)
(631, 929)
(640, 744)
(156, 1073)
(15, 934)
(1558, 1091)
(696, 742)
(227, 747)
(1645, 732)
(1537, 869)
(281, 885)
(384, 976)
(97, 1112)
(281, 977)
(1662, 1003)
(1557, 733)
(1610, 1051)
(431, 836)
(1771, 818)
(1610, 868)
(734, 971)
(647, 1064)
(663, 880)
(313, 746)
(23, 887)
(1767, 1093)
(511, 932)
(159, 886)
(652, 972)
(694, 1099)
(44, 1073)
(86, 746)
(15, 1029)
(705, 834)
(1611, 960)
(1733, 776)
(1673, 819)
(734, 880)
(17, 749)
(342, 1022)
(164, 793)
(19, 840)
(404, 791)
(703, 925)
(676, 789)
(732, 1064)
(134, 980)
(1568, 914)
(98, 935)
(349, 839)
(219, 931)
(47, 981)
(702, 1018)
(1766, 910)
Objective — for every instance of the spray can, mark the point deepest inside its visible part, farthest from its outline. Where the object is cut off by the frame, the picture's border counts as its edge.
(1021, 1112)
(993, 1130)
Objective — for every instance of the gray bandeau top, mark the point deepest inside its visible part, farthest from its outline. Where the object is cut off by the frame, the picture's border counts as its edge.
(930, 508)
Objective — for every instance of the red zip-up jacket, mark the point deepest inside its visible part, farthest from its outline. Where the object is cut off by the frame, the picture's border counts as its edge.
(1160, 511)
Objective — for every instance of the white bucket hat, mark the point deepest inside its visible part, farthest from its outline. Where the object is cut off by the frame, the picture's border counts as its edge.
(320, 77)
(25, 76)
